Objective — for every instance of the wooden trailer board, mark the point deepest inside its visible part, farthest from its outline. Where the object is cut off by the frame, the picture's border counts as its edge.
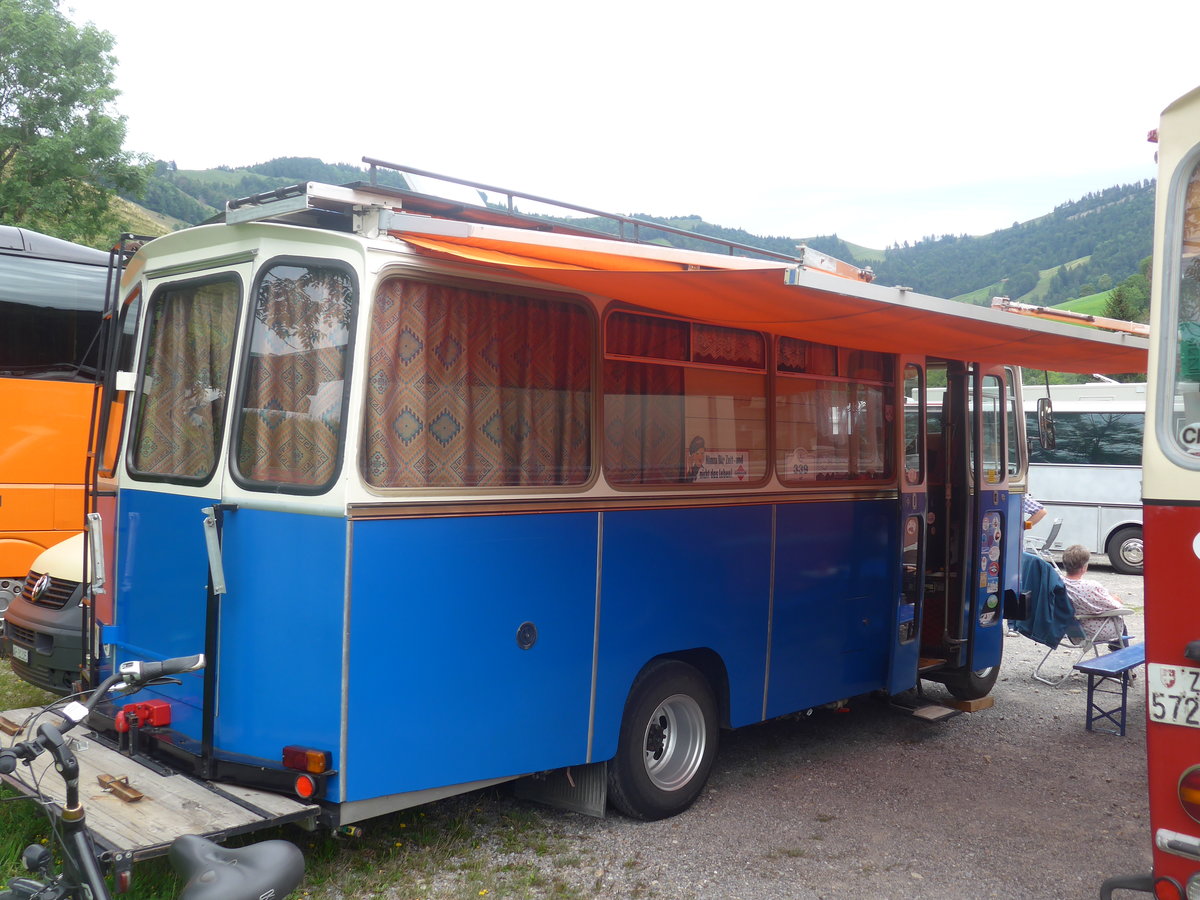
(145, 807)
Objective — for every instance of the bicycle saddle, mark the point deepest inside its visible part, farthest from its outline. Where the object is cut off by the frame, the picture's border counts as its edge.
(268, 870)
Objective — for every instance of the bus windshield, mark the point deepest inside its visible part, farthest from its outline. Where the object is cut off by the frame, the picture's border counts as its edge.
(50, 313)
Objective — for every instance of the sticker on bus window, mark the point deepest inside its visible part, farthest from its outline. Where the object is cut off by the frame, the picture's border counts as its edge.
(1189, 437)
(723, 466)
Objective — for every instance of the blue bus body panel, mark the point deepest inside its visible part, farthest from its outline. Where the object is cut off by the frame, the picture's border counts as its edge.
(836, 592)
(162, 590)
(436, 688)
(278, 671)
(683, 579)
(440, 692)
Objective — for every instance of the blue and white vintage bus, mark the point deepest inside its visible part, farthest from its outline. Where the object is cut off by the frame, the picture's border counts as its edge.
(449, 495)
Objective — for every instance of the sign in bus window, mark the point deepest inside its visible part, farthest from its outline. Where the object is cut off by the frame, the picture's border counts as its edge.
(181, 405)
(473, 388)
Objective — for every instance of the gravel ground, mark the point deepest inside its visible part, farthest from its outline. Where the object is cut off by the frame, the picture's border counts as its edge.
(1016, 801)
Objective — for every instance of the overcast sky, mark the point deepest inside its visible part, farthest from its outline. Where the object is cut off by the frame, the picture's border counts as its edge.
(878, 121)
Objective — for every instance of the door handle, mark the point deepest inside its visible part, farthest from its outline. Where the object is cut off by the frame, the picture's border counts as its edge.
(212, 540)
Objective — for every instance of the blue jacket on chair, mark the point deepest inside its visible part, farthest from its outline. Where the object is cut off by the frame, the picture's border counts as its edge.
(1051, 614)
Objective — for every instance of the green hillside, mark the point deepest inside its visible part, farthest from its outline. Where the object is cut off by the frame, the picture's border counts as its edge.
(1104, 236)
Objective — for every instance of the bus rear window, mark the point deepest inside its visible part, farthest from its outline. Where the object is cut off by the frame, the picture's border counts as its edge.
(474, 388)
(185, 379)
(294, 380)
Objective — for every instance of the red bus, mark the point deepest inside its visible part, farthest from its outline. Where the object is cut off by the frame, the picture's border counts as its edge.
(1171, 498)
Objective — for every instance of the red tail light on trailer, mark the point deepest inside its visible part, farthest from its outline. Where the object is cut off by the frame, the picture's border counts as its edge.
(306, 759)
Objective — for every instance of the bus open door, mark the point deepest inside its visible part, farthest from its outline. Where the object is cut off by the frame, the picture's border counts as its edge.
(968, 544)
(905, 659)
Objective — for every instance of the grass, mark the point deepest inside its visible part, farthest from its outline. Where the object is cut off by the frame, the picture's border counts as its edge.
(1092, 304)
(475, 845)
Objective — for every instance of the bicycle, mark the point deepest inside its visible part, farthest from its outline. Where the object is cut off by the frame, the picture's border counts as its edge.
(268, 870)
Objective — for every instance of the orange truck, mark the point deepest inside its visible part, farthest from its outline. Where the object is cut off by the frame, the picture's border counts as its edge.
(52, 295)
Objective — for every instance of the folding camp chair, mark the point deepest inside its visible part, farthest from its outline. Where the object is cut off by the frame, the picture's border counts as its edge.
(1052, 620)
(1080, 640)
(1041, 546)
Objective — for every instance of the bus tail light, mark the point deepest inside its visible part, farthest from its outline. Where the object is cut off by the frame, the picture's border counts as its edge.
(305, 759)
(305, 787)
(1189, 792)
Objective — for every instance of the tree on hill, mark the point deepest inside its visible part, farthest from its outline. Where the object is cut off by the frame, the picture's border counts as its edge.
(1021, 282)
(1130, 300)
(1119, 305)
(61, 161)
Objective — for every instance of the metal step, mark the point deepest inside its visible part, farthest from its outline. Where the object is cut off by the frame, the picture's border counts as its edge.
(935, 712)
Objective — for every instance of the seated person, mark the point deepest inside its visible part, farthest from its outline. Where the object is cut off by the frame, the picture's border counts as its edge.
(1091, 597)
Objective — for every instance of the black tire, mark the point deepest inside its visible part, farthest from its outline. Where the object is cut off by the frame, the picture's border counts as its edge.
(1125, 550)
(667, 744)
(967, 685)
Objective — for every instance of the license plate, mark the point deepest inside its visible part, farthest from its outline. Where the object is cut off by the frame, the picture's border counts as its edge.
(20, 653)
(1173, 693)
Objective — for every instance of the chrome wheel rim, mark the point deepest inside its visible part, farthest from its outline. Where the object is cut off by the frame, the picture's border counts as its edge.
(674, 742)
(1131, 552)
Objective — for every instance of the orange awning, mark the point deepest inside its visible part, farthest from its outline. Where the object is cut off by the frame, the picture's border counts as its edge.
(802, 303)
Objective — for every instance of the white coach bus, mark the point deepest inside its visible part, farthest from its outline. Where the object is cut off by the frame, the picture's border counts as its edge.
(1092, 480)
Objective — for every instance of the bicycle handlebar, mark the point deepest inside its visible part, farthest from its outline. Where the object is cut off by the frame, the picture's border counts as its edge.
(134, 674)
(136, 671)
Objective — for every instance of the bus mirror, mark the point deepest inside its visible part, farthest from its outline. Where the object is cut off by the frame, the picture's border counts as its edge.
(1045, 420)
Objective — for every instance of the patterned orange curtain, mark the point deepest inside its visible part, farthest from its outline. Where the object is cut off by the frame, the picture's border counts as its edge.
(295, 378)
(644, 441)
(475, 388)
(182, 405)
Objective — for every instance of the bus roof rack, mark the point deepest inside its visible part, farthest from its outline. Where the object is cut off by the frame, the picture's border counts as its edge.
(340, 208)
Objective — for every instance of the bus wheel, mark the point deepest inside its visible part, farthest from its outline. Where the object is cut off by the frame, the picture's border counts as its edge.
(967, 685)
(668, 742)
(1125, 550)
